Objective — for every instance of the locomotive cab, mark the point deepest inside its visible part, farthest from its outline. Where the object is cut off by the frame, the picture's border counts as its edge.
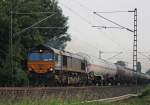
(41, 60)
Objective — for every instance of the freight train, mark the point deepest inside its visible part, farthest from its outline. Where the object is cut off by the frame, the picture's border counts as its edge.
(48, 66)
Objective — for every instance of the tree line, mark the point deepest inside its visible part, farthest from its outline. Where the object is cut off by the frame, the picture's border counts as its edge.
(25, 13)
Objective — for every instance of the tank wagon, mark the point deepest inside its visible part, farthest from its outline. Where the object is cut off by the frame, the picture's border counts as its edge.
(103, 72)
(49, 66)
(124, 75)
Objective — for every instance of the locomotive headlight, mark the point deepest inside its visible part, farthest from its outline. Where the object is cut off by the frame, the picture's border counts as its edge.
(30, 69)
(41, 50)
(51, 69)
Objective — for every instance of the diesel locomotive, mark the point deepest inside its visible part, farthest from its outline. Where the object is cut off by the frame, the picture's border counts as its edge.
(48, 66)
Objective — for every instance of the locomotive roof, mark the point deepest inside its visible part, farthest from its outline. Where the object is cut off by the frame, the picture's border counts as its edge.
(46, 47)
(41, 46)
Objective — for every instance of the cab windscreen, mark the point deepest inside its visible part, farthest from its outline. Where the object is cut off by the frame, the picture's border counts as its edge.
(40, 56)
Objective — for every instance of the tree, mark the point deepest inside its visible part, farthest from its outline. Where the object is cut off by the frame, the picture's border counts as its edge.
(24, 41)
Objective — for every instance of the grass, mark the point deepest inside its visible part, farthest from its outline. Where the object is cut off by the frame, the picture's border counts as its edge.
(143, 99)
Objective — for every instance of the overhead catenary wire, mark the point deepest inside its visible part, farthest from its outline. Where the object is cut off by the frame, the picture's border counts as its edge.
(81, 5)
(31, 13)
(114, 56)
(111, 11)
(104, 27)
(117, 11)
(105, 34)
(110, 38)
(121, 27)
(49, 27)
(25, 29)
(84, 19)
(90, 44)
(144, 55)
(87, 43)
(76, 13)
(113, 22)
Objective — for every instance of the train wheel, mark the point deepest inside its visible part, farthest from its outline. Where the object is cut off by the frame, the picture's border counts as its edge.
(97, 80)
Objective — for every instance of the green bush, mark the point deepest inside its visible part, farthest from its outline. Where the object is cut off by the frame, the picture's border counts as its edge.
(145, 92)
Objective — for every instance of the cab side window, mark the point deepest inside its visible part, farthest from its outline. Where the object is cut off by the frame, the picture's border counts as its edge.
(64, 60)
(82, 65)
(56, 57)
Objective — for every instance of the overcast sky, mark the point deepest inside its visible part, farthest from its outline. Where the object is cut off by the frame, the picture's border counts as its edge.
(90, 40)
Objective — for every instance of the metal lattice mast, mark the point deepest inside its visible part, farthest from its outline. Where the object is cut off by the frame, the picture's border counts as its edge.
(135, 42)
(135, 47)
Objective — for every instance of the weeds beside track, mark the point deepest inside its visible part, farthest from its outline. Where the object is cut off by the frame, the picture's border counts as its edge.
(68, 93)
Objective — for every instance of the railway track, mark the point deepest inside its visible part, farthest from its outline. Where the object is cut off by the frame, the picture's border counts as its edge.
(82, 93)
